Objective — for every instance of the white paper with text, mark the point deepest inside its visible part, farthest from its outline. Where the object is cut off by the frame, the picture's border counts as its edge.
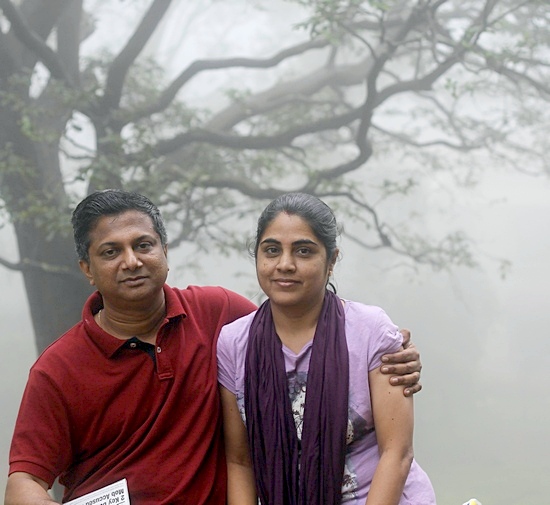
(113, 494)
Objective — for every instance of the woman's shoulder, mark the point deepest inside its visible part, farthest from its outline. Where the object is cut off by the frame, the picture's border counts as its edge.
(363, 312)
(232, 345)
(238, 329)
(369, 327)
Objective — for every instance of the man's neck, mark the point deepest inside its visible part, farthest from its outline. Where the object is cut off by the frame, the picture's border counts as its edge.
(126, 323)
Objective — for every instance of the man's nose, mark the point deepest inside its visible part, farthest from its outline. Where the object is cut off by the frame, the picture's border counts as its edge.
(131, 260)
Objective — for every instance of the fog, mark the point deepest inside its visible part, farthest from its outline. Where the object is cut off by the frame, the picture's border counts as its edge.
(482, 417)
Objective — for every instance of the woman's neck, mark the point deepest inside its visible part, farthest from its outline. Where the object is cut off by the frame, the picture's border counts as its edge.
(296, 328)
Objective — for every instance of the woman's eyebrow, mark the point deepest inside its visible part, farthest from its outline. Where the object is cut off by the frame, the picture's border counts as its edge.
(270, 241)
(304, 241)
(301, 241)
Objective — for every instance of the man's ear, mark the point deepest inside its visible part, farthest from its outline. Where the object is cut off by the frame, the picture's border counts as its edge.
(165, 249)
(85, 268)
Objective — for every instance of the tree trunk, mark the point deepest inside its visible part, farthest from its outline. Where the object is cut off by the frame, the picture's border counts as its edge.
(55, 299)
(34, 194)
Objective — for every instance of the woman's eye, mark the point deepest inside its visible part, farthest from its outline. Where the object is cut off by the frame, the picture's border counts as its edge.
(271, 250)
(304, 251)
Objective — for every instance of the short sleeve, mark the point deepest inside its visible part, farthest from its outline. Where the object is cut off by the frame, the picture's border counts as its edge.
(41, 440)
(385, 338)
(226, 354)
(231, 353)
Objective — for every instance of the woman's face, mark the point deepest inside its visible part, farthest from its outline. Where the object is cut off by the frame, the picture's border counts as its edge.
(291, 263)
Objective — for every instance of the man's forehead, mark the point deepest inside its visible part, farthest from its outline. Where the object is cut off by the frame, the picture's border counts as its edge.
(126, 216)
(135, 221)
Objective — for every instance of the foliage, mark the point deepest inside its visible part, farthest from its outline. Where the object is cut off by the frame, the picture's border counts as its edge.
(361, 103)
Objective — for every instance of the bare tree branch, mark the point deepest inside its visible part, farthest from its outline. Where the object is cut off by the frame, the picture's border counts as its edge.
(518, 77)
(406, 139)
(199, 66)
(275, 141)
(27, 265)
(122, 63)
(68, 39)
(11, 265)
(34, 43)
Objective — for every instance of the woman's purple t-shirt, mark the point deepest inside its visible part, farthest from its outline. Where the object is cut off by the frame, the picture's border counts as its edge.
(369, 333)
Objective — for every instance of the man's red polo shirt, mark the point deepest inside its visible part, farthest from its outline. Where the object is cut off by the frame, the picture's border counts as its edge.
(97, 409)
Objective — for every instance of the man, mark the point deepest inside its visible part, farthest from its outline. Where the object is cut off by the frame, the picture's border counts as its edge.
(131, 390)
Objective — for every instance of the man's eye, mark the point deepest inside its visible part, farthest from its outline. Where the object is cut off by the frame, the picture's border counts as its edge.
(109, 253)
(145, 246)
(304, 251)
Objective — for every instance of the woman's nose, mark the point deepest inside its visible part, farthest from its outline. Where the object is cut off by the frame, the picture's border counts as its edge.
(286, 262)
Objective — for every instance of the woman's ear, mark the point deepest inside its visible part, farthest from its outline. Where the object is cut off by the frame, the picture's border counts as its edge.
(332, 261)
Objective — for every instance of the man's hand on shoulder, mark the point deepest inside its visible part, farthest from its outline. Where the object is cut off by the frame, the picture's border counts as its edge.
(404, 366)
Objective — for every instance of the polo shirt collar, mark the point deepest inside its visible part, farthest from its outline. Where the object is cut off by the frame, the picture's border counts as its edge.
(108, 344)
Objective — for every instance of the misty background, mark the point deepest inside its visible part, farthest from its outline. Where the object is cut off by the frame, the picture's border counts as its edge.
(482, 419)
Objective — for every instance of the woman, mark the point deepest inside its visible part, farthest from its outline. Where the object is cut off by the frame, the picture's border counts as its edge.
(349, 440)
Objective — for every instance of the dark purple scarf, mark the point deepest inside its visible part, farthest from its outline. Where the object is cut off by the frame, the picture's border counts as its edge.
(283, 476)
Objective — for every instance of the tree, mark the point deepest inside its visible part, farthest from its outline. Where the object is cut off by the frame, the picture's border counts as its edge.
(393, 88)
